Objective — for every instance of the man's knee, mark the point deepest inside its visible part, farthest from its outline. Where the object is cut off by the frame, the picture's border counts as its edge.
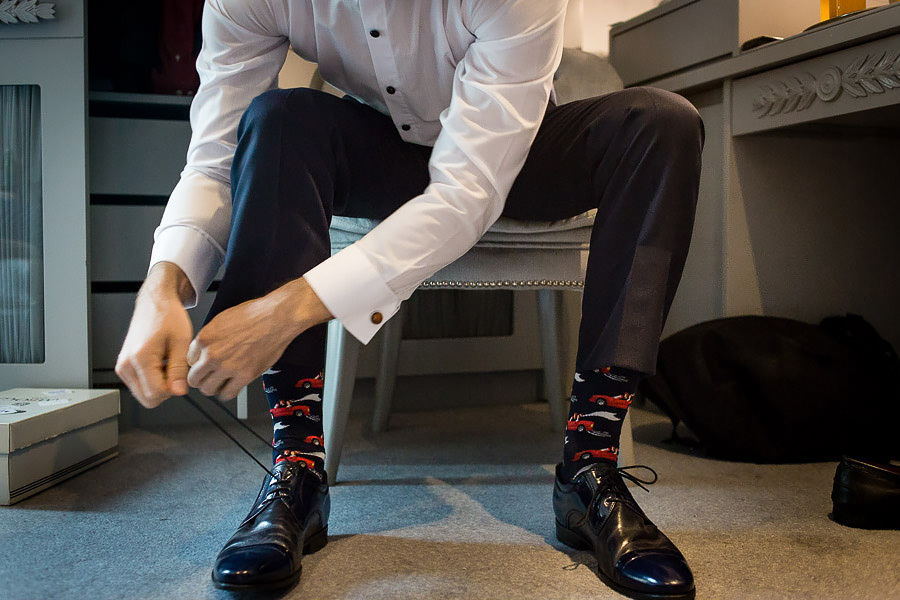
(658, 117)
(264, 112)
(670, 116)
(302, 106)
(676, 114)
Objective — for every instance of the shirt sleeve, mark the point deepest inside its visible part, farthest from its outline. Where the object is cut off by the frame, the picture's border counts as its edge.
(500, 92)
(243, 51)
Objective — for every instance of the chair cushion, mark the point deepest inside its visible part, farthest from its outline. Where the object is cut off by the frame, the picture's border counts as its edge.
(573, 232)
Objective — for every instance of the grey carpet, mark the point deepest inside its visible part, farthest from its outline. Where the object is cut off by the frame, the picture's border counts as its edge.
(429, 510)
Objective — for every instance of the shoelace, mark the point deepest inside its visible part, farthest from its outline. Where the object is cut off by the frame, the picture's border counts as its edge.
(623, 471)
(610, 492)
(209, 417)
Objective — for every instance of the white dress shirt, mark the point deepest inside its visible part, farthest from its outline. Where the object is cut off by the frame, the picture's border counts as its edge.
(472, 79)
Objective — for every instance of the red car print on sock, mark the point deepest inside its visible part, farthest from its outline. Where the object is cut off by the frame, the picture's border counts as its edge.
(607, 372)
(315, 440)
(311, 383)
(283, 409)
(297, 456)
(289, 455)
(620, 401)
(576, 423)
(611, 453)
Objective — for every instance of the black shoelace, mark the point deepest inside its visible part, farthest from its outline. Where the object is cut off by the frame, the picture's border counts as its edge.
(612, 490)
(221, 406)
(623, 471)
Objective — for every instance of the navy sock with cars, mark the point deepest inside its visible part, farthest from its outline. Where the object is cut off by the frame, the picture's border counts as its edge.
(295, 403)
(599, 403)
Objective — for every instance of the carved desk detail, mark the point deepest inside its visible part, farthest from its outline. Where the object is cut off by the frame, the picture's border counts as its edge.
(866, 75)
(25, 11)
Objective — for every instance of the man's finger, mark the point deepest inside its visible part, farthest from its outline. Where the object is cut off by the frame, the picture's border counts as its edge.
(153, 384)
(126, 373)
(198, 373)
(177, 367)
(230, 389)
(193, 353)
(212, 384)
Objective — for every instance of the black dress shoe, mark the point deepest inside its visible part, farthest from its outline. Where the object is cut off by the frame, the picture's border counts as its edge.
(288, 519)
(866, 494)
(597, 512)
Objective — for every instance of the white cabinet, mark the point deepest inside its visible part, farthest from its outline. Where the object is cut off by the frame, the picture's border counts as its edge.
(44, 65)
(138, 144)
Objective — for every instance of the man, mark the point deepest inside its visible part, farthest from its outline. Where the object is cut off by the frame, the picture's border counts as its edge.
(448, 124)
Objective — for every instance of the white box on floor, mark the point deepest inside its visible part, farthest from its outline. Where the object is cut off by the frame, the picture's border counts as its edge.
(48, 435)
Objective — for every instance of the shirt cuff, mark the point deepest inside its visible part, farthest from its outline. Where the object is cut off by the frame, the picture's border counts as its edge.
(192, 251)
(350, 288)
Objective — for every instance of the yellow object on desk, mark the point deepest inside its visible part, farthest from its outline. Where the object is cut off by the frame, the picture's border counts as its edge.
(836, 8)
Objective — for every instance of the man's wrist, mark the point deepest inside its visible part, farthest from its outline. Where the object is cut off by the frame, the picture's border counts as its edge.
(302, 305)
(166, 278)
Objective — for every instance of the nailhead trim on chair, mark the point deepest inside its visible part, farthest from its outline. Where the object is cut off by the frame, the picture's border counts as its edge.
(530, 283)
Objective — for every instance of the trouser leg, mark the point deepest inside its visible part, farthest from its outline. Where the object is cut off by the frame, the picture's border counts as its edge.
(635, 156)
(301, 157)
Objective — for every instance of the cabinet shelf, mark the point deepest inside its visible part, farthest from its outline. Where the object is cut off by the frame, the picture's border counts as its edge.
(139, 106)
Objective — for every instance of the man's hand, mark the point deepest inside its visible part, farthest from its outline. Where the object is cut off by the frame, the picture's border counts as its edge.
(153, 359)
(240, 343)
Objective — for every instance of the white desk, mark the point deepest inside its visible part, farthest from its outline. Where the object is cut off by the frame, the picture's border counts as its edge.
(798, 205)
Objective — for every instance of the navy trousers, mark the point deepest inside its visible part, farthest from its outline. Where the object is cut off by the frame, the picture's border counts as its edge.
(303, 156)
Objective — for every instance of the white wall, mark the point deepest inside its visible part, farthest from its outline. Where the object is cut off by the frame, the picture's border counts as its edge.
(296, 72)
(588, 21)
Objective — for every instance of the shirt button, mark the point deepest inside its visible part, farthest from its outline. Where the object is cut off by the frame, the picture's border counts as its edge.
(376, 317)
(391, 89)
(405, 127)
(375, 33)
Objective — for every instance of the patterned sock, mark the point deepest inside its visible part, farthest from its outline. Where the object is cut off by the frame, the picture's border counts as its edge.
(600, 400)
(295, 402)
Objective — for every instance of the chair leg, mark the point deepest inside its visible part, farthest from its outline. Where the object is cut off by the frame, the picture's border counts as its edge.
(242, 403)
(548, 321)
(340, 375)
(626, 443)
(387, 372)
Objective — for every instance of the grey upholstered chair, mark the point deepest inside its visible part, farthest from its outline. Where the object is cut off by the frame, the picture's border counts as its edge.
(514, 255)
(549, 257)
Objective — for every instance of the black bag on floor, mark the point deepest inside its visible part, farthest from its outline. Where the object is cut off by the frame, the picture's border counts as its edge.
(766, 389)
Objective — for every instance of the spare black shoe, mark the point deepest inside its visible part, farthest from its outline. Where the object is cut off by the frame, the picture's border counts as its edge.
(288, 519)
(866, 494)
(597, 512)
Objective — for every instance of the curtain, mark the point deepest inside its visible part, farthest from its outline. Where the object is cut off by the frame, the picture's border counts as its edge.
(21, 226)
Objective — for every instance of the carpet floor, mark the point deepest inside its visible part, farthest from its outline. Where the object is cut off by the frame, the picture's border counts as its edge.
(446, 504)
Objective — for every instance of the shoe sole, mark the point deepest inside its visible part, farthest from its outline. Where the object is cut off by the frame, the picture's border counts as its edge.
(575, 540)
(852, 517)
(316, 542)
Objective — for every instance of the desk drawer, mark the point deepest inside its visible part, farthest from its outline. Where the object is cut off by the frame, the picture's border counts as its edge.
(849, 81)
(672, 37)
(137, 156)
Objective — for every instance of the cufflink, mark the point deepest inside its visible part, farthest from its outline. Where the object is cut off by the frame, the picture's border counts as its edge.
(376, 317)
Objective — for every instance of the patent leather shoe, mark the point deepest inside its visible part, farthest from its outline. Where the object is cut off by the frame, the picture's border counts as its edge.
(866, 494)
(597, 512)
(289, 519)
